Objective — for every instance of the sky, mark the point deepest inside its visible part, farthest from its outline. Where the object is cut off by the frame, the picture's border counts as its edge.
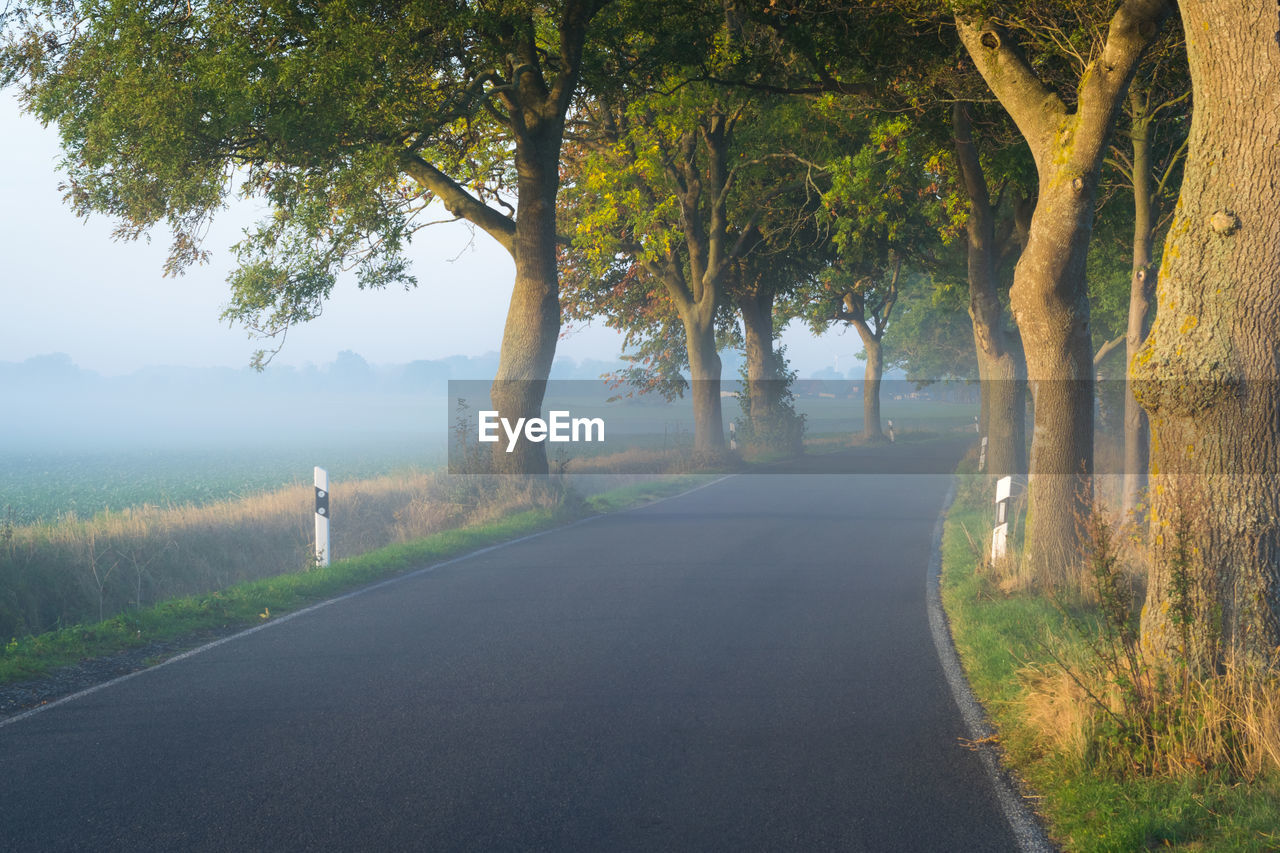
(67, 286)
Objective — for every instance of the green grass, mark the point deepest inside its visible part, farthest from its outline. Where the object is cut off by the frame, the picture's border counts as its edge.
(38, 486)
(246, 604)
(1087, 808)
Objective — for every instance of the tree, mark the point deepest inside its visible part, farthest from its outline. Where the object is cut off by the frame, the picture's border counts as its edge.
(676, 190)
(867, 304)
(1002, 366)
(1158, 112)
(348, 119)
(764, 276)
(1049, 295)
(1207, 372)
(889, 205)
(932, 333)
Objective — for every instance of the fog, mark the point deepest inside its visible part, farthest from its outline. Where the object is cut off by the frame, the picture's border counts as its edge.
(54, 405)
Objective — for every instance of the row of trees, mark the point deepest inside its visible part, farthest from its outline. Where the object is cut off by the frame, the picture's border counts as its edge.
(700, 173)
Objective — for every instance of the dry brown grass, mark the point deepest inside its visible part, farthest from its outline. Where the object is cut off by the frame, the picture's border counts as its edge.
(1104, 702)
(1056, 705)
(1229, 721)
(76, 570)
(634, 460)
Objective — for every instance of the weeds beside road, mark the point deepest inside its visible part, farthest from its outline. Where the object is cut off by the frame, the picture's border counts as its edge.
(1124, 758)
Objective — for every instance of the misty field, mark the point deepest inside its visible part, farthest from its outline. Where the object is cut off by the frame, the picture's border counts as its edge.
(87, 531)
(44, 485)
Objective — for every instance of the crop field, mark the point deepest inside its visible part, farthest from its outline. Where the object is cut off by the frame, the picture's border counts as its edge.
(43, 485)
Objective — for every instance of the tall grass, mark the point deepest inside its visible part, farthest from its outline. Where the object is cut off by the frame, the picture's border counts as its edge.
(1127, 753)
(76, 570)
(1129, 713)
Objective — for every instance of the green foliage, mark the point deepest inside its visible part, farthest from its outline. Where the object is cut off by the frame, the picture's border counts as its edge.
(891, 196)
(891, 203)
(347, 118)
(1109, 272)
(666, 219)
(932, 334)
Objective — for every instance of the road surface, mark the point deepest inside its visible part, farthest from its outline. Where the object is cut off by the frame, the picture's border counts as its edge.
(745, 667)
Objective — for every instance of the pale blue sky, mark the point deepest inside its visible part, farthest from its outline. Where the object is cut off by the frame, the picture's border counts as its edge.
(66, 286)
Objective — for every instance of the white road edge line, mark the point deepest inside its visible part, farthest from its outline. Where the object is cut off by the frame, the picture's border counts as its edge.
(1026, 828)
(280, 620)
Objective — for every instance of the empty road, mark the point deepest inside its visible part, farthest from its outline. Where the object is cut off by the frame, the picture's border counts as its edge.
(744, 667)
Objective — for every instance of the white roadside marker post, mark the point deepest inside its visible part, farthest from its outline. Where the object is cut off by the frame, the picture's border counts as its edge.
(322, 517)
(1000, 534)
(733, 435)
(982, 457)
(891, 438)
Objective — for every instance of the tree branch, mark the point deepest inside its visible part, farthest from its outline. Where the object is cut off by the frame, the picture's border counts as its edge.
(458, 201)
(1033, 106)
(1106, 350)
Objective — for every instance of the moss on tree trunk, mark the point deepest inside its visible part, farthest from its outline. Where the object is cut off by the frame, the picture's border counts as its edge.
(1207, 373)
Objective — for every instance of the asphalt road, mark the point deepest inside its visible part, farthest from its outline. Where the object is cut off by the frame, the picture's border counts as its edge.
(745, 667)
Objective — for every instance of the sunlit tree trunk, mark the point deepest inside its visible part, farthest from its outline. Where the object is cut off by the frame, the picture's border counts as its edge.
(872, 430)
(1207, 373)
(704, 374)
(868, 309)
(533, 318)
(1049, 296)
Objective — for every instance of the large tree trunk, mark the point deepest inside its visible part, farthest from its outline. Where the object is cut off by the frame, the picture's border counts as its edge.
(774, 423)
(871, 429)
(533, 318)
(1141, 284)
(1004, 405)
(536, 99)
(1049, 298)
(762, 379)
(1207, 374)
(1002, 370)
(1050, 303)
(704, 373)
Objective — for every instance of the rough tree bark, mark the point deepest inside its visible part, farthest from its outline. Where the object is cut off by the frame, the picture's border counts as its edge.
(704, 391)
(872, 430)
(1049, 297)
(1207, 373)
(1002, 369)
(536, 113)
(533, 318)
(697, 284)
(774, 426)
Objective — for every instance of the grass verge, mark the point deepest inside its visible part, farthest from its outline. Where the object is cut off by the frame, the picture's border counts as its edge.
(1011, 647)
(245, 604)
